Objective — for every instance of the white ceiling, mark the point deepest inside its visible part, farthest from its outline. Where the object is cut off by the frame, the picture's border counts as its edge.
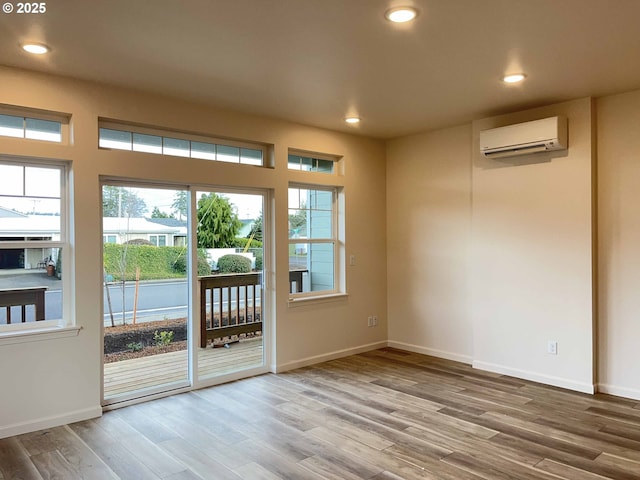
(316, 61)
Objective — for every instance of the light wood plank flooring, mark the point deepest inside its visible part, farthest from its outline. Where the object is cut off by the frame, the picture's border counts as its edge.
(140, 373)
(385, 414)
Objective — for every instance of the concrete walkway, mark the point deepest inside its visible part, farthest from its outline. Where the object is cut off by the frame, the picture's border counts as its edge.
(19, 278)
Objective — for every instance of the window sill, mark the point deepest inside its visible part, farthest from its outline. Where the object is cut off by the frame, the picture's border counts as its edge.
(317, 299)
(37, 334)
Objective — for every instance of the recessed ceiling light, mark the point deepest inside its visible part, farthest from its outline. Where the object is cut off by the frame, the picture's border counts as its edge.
(352, 120)
(35, 48)
(401, 14)
(514, 78)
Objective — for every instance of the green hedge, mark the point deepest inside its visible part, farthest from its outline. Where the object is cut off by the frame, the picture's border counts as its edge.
(155, 262)
(234, 264)
(242, 243)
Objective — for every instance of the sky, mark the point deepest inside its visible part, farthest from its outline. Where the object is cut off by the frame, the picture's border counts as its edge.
(37, 190)
(248, 206)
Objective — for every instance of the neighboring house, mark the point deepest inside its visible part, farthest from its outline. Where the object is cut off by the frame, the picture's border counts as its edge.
(19, 226)
(161, 232)
(245, 229)
(15, 226)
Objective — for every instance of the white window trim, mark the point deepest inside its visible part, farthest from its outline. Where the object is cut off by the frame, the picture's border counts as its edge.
(37, 333)
(65, 326)
(339, 287)
(62, 118)
(167, 133)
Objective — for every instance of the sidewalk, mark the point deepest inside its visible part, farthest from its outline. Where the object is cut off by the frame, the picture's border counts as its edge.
(28, 278)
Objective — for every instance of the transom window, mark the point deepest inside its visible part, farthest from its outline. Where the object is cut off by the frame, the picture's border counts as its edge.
(178, 145)
(310, 164)
(313, 240)
(30, 128)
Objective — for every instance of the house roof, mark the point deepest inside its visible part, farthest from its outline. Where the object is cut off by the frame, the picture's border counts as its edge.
(111, 225)
(29, 225)
(168, 222)
(314, 62)
(8, 213)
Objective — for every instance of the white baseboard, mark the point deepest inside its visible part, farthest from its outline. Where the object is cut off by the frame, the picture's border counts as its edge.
(305, 362)
(50, 422)
(536, 377)
(625, 392)
(456, 357)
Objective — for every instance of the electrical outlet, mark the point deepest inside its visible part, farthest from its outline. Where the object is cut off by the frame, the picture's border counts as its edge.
(552, 347)
(375, 320)
(352, 260)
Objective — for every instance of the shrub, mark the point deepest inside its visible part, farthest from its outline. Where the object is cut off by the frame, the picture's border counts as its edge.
(234, 264)
(180, 263)
(135, 346)
(258, 254)
(242, 243)
(163, 338)
(139, 241)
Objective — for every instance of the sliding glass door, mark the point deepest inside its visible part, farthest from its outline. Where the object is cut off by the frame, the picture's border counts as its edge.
(174, 319)
(145, 287)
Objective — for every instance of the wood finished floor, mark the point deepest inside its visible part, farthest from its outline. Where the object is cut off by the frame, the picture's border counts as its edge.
(385, 414)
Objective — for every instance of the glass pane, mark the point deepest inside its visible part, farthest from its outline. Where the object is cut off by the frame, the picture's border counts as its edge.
(311, 267)
(205, 151)
(42, 182)
(229, 237)
(43, 130)
(306, 164)
(115, 139)
(11, 180)
(145, 289)
(249, 156)
(11, 126)
(175, 146)
(33, 276)
(228, 154)
(294, 162)
(147, 143)
(310, 213)
(325, 166)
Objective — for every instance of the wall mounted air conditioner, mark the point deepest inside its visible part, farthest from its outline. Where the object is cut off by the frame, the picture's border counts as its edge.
(523, 138)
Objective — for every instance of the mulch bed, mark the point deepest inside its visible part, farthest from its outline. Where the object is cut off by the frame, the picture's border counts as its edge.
(117, 339)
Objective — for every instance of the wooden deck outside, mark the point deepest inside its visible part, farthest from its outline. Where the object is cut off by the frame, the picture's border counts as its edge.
(140, 373)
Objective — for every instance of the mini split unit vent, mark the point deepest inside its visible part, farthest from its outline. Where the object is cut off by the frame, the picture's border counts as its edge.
(523, 138)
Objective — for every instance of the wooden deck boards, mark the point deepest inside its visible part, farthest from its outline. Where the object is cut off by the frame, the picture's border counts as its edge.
(379, 415)
(146, 372)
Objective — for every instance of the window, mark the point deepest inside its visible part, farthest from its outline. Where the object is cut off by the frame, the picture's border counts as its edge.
(122, 137)
(313, 241)
(33, 246)
(109, 239)
(311, 164)
(158, 240)
(30, 128)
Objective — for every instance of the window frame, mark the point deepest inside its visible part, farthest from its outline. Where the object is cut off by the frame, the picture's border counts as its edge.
(335, 162)
(33, 114)
(167, 134)
(65, 325)
(156, 241)
(336, 239)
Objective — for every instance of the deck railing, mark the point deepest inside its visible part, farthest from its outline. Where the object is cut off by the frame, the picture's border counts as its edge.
(21, 297)
(230, 305)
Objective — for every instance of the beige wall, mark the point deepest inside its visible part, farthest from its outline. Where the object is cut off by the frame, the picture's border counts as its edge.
(532, 255)
(429, 226)
(488, 260)
(619, 244)
(57, 381)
